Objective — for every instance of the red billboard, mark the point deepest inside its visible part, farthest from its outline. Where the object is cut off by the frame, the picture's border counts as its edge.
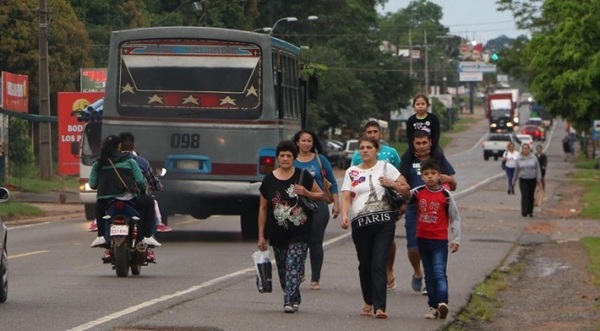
(70, 105)
(15, 93)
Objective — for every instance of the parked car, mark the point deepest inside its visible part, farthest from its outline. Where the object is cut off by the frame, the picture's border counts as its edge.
(525, 139)
(4, 196)
(349, 147)
(496, 143)
(333, 151)
(536, 132)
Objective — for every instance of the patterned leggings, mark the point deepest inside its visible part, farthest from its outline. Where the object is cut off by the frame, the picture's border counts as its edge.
(290, 264)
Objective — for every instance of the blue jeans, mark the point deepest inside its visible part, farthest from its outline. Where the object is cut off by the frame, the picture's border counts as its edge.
(510, 172)
(317, 233)
(434, 255)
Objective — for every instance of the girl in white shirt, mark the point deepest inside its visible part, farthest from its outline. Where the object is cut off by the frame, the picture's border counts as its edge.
(509, 159)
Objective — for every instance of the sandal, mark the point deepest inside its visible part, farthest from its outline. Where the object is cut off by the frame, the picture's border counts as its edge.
(380, 314)
(366, 310)
(391, 284)
(315, 286)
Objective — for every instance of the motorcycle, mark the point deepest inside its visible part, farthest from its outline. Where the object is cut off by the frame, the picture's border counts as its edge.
(126, 247)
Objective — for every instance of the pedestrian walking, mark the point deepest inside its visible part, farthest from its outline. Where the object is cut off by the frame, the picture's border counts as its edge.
(509, 158)
(373, 221)
(436, 212)
(543, 161)
(411, 171)
(528, 173)
(389, 154)
(311, 159)
(288, 225)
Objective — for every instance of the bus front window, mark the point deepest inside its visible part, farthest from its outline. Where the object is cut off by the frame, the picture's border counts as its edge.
(91, 143)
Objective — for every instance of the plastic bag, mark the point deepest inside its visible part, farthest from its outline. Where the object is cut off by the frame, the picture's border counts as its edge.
(262, 262)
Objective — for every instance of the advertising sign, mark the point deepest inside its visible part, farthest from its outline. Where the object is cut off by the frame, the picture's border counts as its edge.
(70, 105)
(93, 79)
(470, 76)
(596, 130)
(15, 93)
(467, 66)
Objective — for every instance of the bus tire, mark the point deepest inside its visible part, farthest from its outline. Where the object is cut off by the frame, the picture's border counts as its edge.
(90, 211)
(249, 223)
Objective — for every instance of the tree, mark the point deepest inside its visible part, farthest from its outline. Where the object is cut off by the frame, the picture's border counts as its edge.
(564, 59)
(20, 153)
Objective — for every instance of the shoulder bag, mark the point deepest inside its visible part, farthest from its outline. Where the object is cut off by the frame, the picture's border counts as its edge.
(393, 197)
(503, 163)
(326, 183)
(309, 206)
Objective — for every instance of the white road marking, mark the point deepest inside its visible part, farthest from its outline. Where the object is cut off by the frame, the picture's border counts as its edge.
(26, 254)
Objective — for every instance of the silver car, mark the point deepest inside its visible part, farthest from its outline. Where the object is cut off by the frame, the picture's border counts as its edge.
(4, 196)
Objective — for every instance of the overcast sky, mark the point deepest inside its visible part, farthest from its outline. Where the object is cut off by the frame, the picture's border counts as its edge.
(473, 19)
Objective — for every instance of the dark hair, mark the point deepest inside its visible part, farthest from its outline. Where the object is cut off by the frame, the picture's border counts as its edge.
(370, 124)
(110, 145)
(126, 135)
(287, 146)
(316, 147)
(369, 139)
(421, 134)
(127, 141)
(430, 164)
(420, 96)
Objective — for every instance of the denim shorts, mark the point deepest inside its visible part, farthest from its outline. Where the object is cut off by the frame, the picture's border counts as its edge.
(410, 223)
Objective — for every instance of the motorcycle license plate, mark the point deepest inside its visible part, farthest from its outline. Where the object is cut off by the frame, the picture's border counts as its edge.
(119, 230)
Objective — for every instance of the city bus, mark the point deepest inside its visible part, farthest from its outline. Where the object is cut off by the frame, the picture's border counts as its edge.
(209, 105)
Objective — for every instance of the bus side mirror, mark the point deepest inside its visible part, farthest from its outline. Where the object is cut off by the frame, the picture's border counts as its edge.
(75, 148)
(313, 87)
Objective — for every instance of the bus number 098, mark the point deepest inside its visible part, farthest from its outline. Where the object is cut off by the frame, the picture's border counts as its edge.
(185, 140)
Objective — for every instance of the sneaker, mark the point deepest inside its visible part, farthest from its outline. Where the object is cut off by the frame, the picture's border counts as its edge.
(417, 283)
(150, 256)
(288, 309)
(93, 226)
(163, 228)
(151, 242)
(443, 310)
(433, 314)
(106, 257)
(99, 241)
(296, 306)
(424, 291)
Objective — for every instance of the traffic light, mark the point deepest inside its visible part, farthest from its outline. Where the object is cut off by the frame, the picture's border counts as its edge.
(495, 57)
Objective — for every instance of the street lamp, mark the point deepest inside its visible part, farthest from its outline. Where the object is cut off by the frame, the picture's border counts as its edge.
(283, 19)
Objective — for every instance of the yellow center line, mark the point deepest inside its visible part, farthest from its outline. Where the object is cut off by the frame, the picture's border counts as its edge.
(26, 254)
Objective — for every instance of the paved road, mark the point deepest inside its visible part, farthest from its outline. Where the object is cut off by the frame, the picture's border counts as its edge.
(205, 281)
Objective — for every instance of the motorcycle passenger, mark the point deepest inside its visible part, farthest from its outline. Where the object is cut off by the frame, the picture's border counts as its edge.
(115, 175)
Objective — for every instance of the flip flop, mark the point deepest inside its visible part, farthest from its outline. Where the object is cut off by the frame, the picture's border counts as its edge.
(366, 311)
(315, 286)
(380, 314)
(391, 284)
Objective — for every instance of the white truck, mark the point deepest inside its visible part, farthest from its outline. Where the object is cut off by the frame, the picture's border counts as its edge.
(496, 143)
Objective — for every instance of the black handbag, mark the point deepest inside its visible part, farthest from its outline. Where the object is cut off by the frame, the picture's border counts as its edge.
(309, 206)
(395, 200)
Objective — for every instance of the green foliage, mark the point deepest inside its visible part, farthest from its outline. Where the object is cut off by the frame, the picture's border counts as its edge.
(592, 246)
(20, 153)
(11, 210)
(31, 183)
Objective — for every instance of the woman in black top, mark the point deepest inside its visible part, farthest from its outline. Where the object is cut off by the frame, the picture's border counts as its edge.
(543, 161)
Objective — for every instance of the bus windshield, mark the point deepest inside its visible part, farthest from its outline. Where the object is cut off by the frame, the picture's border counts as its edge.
(189, 77)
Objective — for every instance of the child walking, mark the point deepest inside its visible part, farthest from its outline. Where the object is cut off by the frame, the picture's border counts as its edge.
(436, 211)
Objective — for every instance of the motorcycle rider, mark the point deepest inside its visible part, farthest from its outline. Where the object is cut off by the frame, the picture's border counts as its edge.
(115, 175)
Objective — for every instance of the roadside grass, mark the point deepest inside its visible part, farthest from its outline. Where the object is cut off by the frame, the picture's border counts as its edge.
(35, 185)
(484, 301)
(14, 210)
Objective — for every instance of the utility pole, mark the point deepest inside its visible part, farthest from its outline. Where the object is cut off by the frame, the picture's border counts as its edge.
(426, 67)
(410, 70)
(45, 142)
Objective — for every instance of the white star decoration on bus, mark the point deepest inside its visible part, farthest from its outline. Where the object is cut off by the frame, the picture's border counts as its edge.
(228, 100)
(190, 99)
(155, 98)
(127, 88)
(252, 91)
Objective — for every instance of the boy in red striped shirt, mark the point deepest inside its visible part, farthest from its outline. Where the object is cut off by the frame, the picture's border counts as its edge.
(436, 211)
